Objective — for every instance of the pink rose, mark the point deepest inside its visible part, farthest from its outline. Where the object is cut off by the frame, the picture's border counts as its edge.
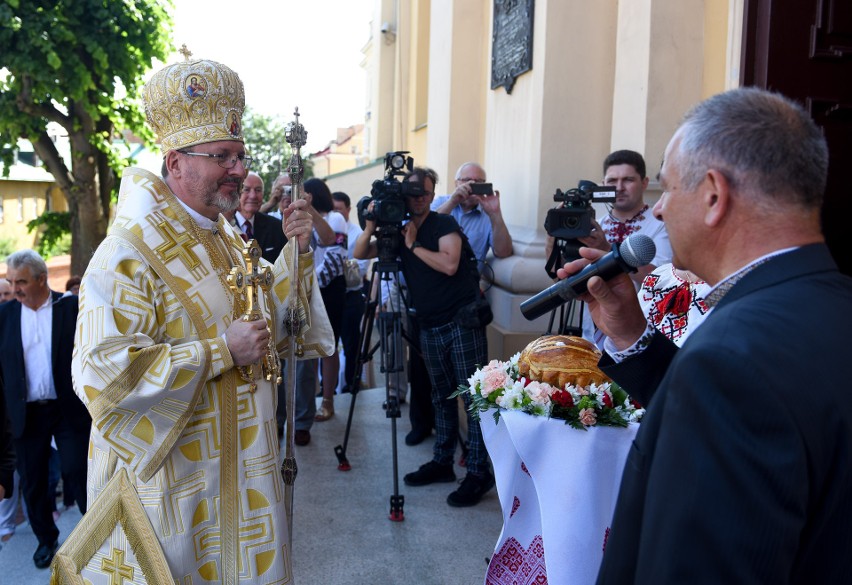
(583, 390)
(539, 392)
(588, 417)
(493, 379)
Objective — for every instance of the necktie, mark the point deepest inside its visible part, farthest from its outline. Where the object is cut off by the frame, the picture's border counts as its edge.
(248, 231)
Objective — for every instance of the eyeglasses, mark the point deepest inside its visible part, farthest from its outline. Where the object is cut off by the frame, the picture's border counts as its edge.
(226, 161)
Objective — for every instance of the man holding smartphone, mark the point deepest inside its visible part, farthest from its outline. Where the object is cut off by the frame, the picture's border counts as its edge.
(476, 207)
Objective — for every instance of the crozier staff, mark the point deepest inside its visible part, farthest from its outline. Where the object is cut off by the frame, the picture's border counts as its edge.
(159, 345)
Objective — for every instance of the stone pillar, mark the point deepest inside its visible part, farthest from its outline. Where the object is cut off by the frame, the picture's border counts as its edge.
(659, 71)
(550, 132)
(458, 83)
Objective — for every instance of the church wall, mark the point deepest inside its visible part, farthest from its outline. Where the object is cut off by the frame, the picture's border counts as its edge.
(605, 75)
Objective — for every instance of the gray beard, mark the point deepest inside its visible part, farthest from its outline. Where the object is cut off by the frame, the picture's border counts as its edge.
(222, 202)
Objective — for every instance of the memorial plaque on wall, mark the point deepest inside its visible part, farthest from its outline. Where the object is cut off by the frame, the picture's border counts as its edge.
(511, 41)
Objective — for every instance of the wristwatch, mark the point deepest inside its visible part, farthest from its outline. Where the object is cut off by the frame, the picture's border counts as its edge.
(414, 244)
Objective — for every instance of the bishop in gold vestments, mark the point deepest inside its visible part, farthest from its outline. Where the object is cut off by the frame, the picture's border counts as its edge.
(172, 416)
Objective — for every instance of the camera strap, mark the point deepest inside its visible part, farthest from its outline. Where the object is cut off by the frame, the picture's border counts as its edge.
(551, 264)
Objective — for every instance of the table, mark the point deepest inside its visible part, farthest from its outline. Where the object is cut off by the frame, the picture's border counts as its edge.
(557, 487)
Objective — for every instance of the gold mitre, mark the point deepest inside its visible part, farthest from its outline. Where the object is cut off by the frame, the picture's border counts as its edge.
(193, 102)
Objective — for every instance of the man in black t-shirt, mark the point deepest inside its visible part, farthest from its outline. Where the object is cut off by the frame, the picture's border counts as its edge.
(440, 270)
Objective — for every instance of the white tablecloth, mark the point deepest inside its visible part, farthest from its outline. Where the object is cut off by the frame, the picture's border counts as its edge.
(557, 488)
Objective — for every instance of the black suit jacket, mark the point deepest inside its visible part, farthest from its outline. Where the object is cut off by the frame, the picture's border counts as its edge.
(13, 378)
(269, 235)
(742, 468)
(7, 451)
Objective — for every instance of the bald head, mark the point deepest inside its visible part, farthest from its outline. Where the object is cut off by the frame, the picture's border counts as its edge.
(5, 290)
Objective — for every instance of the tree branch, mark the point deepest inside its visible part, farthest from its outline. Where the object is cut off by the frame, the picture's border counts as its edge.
(28, 106)
(47, 152)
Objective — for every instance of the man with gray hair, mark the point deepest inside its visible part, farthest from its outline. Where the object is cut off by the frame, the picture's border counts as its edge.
(741, 471)
(259, 226)
(36, 342)
(479, 215)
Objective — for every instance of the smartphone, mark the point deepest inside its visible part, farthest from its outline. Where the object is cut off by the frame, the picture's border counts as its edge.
(481, 189)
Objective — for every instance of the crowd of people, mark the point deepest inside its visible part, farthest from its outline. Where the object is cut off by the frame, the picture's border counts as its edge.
(728, 462)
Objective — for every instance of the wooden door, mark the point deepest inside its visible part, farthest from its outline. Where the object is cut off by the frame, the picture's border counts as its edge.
(803, 49)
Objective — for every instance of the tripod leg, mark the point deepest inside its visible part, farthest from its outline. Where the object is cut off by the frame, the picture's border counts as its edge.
(392, 361)
(390, 342)
(363, 356)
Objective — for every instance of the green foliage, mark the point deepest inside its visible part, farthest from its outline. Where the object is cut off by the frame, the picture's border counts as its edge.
(266, 143)
(7, 246)
(75, 60)
(56, 237)
(78, 64)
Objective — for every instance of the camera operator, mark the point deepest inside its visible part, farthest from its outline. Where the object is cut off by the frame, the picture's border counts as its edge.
(625, 170)
(629, 214)
(479, 215)
(436, 257)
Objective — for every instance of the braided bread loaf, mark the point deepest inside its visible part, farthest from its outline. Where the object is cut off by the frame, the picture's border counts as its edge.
(561, 359)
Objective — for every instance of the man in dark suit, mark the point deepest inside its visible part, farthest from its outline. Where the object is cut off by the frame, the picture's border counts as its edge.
(7, 455)
(259, 226)
(36, 343)
(742, 468)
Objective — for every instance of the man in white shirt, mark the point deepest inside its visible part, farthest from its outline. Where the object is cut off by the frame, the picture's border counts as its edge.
(35, 380)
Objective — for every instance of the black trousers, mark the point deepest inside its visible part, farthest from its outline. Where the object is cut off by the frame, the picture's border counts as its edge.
(420, 412)
(350, 335)
(45, 421)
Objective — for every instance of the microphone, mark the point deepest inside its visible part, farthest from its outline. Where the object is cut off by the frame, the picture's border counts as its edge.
(635, 251)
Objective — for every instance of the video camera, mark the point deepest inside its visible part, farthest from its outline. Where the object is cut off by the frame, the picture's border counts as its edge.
(573, 219)
(389, 193)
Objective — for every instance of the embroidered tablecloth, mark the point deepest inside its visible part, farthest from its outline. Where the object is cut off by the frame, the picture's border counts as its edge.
(557, 488)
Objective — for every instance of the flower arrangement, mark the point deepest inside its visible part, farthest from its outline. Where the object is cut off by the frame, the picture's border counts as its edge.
(499, 385)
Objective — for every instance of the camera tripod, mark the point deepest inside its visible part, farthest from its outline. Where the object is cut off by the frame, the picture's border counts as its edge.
(570, 314)
(392, 356)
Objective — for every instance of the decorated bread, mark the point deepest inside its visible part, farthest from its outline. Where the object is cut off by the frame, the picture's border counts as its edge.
(561, 359)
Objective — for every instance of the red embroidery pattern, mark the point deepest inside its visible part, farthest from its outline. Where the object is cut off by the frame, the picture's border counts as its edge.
(617, 230)
(514, 565)
(606, 537)
(670, 304)
(516, 503)
(524, 468)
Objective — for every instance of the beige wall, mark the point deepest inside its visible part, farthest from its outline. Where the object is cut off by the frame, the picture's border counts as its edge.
(356, 182)
(606, 75)
(32, 196)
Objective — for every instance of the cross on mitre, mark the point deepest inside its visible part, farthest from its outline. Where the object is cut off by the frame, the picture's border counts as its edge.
(251, 280)
(185, 52)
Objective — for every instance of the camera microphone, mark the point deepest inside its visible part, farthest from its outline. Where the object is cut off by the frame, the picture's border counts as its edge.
(635, 251)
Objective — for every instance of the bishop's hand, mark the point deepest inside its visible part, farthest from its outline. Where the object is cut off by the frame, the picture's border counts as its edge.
(299, 224)
(247, 341)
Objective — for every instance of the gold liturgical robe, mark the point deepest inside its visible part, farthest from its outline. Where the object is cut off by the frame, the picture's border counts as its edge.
(172, 418)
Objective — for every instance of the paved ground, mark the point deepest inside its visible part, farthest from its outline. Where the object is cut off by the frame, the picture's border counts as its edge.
(342, 535)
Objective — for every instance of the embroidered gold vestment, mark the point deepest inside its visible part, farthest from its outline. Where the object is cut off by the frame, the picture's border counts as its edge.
(169, 409)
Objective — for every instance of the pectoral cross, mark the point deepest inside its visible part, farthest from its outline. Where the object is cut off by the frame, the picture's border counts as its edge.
(252, 280)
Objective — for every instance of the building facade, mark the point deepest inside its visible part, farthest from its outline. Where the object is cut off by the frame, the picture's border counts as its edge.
(604, 75)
